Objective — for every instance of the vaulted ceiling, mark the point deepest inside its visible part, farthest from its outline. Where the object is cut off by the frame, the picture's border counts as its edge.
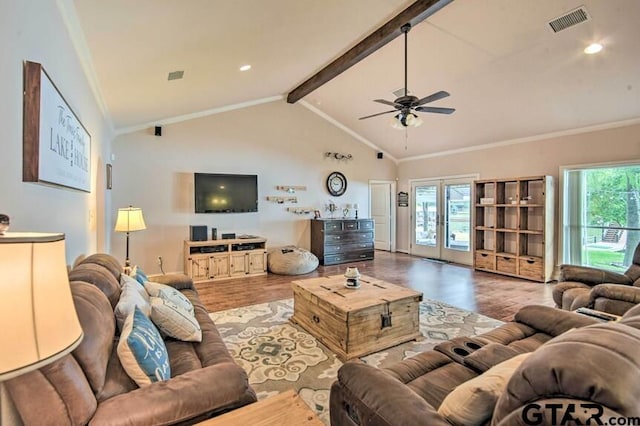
(509, 75)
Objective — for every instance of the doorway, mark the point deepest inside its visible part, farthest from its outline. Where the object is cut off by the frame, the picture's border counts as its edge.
(441, 219)
(382, 202)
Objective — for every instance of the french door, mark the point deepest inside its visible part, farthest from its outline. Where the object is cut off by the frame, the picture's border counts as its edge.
(441, 219)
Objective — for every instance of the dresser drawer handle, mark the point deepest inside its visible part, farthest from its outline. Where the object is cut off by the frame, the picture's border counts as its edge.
(316, 319)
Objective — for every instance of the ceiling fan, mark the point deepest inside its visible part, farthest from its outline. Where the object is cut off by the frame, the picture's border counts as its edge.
(407, 104)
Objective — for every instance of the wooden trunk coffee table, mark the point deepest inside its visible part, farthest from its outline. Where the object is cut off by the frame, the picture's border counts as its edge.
(356, 322)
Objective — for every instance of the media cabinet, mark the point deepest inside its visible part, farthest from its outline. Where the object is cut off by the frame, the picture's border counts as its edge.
(223, 259)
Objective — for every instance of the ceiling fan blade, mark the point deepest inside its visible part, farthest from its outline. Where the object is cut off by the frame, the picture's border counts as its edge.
(375, 115)
(437, 110)
(432, 98)
(382, 101)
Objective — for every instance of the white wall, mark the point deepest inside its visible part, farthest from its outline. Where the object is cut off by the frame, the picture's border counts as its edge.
(283, 144)
(542, 157)
(34, 30)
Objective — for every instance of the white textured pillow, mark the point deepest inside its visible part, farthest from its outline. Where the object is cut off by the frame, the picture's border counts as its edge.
(169, 293)
(129, 299)
(472, 402)
(124, 279)
(174, 321)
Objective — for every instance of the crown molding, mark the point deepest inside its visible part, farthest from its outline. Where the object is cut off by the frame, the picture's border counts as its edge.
(535, 138)
(199, 114)
(70, 18)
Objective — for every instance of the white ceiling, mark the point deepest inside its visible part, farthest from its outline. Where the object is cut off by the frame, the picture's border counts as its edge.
(509, 75)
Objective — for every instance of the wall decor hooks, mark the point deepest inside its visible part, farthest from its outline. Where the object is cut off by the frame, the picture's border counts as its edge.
(282, 200)
(338, 155)
(291, 189)
(300, 210)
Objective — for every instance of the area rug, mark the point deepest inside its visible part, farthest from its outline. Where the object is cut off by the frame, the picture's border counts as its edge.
(278, 355)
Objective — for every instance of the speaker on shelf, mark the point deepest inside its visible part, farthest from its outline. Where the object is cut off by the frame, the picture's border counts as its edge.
(214, 233)
(229, 236)
(198, 233)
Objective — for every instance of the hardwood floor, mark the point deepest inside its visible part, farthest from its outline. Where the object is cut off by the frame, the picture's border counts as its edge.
(493, 295)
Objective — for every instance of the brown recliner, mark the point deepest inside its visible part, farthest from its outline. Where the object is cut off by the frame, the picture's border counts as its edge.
(604, 381)
(583, 286)
(90, 386)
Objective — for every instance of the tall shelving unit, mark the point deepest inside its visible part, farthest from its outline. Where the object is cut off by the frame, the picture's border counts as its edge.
(514, 221)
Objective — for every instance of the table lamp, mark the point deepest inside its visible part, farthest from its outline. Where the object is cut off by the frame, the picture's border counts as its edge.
(129, 219)
(37, 316)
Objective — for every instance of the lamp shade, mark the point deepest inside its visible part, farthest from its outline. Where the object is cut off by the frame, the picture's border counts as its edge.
(130, 219)
(37, 316)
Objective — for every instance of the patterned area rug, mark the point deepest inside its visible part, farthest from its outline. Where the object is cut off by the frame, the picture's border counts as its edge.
(278, 355)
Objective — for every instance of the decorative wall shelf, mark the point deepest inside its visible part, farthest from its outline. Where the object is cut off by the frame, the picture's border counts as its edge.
(282, 200)
(300, 210)
(291, 189)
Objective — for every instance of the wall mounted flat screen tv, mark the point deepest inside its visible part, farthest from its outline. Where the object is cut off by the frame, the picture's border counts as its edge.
(225, 193)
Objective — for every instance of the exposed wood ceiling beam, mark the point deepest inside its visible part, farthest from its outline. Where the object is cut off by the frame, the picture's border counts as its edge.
(414, 14)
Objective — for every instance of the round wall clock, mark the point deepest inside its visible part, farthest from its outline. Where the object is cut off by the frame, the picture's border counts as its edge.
(336, 184)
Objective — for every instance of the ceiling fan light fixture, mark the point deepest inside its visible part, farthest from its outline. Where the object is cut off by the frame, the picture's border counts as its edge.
(396, 122)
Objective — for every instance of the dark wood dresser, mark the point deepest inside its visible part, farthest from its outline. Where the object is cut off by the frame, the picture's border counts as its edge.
(342, 240)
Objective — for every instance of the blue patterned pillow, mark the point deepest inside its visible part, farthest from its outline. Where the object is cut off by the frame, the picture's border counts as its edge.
(141, 350)
(139, 275)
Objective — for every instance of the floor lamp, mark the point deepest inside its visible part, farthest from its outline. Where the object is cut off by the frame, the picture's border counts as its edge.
(37, 316)
(129, 219)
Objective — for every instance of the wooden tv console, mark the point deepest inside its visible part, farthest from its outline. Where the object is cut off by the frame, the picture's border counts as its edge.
(223, 259)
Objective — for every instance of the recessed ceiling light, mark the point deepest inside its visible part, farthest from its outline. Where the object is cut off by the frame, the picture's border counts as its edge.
(593, 48)
(245, 67)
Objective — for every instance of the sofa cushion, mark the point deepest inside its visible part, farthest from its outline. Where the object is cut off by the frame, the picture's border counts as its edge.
(98, 325)
(107, 261)
(129, 299)
(174, 321)
(99, 276)
(142, 351)
(472, 402)
(168, 293)
(599, 364)
(56, 394)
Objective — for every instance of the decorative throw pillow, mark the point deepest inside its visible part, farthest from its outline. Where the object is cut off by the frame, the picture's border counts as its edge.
(472, 402)
(139, 275)
(130, 297)
(174, 321)
(141, 350)
(169, 293)
(140, 287)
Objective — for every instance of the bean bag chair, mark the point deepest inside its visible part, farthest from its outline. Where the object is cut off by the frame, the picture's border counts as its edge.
(291, 260)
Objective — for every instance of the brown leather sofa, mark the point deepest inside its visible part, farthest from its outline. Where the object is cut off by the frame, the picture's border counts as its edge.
(90, 386)
(599, 289)
(574, 360)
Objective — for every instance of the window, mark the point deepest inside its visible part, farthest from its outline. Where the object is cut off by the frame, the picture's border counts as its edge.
(601, 215)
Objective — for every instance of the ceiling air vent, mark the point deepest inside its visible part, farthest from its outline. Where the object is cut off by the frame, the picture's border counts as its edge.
(175, 75)
(569, 20)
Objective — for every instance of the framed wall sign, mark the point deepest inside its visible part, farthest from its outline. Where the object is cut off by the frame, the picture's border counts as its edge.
(56, 148)
(403, 199)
